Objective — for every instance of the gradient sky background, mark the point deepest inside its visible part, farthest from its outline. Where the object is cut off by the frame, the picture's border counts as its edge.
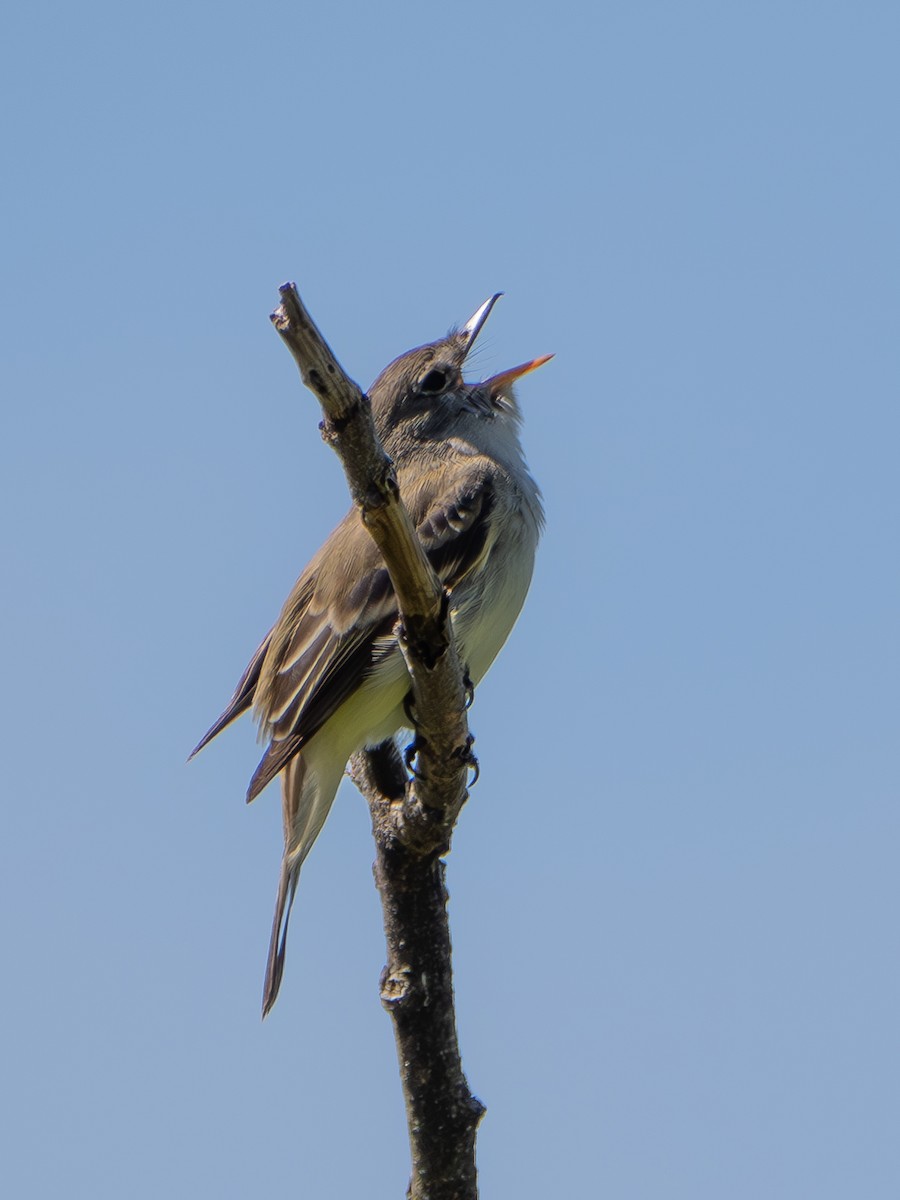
(674, 891)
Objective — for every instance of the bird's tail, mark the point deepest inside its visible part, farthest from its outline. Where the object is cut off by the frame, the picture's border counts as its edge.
(306, 801)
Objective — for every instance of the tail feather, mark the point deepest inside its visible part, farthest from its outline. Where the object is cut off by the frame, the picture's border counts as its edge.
(307, 797)
(287, 886)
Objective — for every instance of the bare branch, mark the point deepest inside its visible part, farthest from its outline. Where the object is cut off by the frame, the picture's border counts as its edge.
(412, 821)
(417, 991)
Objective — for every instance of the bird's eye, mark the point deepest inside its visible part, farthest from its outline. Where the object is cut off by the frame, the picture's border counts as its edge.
(435, 381)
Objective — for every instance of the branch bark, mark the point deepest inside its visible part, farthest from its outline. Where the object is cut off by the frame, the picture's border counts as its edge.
(412, 820)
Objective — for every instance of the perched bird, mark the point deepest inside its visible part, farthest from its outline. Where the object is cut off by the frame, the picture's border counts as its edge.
(329, 677)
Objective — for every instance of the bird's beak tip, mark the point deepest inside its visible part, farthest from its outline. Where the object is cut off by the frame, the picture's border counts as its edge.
(473, 326)
(505, 378)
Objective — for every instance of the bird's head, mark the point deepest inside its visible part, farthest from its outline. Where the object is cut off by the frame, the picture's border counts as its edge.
(422, 396)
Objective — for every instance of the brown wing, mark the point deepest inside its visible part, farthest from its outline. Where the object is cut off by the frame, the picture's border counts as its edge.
(455, 530)
(338, 622)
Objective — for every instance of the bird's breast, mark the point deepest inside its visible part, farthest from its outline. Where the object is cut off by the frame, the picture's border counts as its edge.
(485, 607)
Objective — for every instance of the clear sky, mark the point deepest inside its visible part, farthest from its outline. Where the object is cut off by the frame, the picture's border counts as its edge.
(674, 890)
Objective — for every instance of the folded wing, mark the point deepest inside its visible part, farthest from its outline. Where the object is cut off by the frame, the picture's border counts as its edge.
(338, 622)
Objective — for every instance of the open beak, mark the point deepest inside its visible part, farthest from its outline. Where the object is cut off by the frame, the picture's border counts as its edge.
(470, 331)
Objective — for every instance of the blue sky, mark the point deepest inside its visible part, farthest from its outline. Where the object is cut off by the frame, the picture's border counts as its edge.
(674, 890)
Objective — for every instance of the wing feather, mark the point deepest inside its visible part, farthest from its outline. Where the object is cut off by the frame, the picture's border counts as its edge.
(338, 622)
(242, 698)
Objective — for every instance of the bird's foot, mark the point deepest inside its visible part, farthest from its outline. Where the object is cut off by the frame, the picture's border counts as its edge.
(469, 686)
(466, 756)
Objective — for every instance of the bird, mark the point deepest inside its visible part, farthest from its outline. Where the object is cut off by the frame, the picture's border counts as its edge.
(329, 677)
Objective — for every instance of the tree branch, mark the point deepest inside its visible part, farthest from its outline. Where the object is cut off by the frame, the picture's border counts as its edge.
(412, 821)
(417, 990)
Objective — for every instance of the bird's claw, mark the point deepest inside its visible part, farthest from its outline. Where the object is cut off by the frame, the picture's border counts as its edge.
(409, 757)
(466, 755)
